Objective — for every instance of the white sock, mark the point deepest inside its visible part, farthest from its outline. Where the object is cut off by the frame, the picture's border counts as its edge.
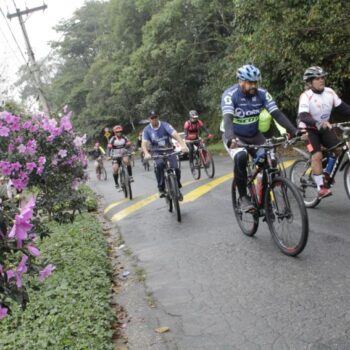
(319, 180)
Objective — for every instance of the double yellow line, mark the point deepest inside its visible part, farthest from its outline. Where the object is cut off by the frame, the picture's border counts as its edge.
(189, 197)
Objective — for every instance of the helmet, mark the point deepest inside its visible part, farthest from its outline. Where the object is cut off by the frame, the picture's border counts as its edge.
(97, 144)
(314, 72)
(193, 114)
(248, 72)
(153, 114)
(117, 128)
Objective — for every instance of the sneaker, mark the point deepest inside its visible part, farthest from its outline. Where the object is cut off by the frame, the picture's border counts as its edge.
(117, 186)
(181, 197)
(246, 204)
(131, 179)
(162, 193)
(324, 192)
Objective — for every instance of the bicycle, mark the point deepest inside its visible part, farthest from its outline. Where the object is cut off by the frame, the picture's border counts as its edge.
(125, 183)
(202, 159)
(101, 172)
(301, 174)
(172, 192)
(277, 200)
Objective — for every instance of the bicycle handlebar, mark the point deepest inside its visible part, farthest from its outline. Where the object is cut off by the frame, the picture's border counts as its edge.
(272, 143)
(157, 156)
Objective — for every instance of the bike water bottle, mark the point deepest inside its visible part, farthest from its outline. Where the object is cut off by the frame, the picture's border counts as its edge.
(330, 163)
(259, 187)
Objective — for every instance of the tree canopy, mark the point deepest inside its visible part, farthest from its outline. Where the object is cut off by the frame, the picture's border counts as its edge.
(120, 58)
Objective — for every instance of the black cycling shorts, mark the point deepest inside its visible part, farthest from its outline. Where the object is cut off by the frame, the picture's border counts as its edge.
(318, 138)
(117, 160)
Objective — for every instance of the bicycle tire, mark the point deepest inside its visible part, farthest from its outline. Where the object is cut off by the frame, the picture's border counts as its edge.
(104, 174)
(168, 199)
(174, 191)
(128, 186)
(195, 166)
(98, 173)
(301, 176)
(285, 209)
(347, 179)
(248, 222)
(208, 162)
(123, 183)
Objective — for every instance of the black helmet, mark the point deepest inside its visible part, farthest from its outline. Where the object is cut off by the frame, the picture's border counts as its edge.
(193, 114)
(313, 72)
(153, 114)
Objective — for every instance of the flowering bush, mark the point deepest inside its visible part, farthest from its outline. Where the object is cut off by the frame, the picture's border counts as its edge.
(41, 165)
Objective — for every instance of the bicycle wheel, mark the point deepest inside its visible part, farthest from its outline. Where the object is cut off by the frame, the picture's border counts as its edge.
(123, 183)
(168, 199)
(286, 216)
(103, 175)
(347, 179)
(301, 176)
(174, 192)
(128, 186)
(98, 173)
(208, 163)
(195, 166)
(247, 221)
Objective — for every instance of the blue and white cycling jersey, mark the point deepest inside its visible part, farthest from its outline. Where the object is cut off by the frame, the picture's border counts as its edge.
(158, 137)
(245, 109)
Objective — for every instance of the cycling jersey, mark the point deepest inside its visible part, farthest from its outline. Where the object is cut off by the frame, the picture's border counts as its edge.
(245, 109)
(319, 106)
(118, 146)
(159, 137)
(192, 129)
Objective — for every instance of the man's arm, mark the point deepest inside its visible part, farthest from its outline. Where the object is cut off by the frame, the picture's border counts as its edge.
(284, 121)
(229, 134)
(145, 146)
(343, 108)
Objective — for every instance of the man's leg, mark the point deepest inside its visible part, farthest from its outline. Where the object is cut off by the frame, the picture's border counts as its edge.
(159, 170)
(115, 168)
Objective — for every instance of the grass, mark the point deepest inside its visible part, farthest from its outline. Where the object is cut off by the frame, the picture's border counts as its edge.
(71, 308)
(217, 148)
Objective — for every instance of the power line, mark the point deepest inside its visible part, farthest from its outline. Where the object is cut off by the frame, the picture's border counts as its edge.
(14, 37)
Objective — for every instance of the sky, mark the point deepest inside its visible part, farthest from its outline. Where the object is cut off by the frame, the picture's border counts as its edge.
(39, 25)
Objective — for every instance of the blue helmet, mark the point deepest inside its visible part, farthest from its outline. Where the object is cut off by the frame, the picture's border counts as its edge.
(248, 72)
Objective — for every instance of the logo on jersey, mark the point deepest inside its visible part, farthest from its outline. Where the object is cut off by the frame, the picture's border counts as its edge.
(228, 100)
(239, 112)
(268, 97)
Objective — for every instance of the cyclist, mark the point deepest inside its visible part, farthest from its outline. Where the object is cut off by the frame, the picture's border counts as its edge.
(241, 105)
(192, 129)
(157, 136)
(315, 106)
(97, 153)
(118, 147)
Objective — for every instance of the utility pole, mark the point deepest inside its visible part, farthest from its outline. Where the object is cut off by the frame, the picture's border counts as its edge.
(35, 68)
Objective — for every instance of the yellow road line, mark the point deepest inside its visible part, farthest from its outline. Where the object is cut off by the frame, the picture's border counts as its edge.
(189, 197)
(127, 211)
(112, 205)
(200, 191)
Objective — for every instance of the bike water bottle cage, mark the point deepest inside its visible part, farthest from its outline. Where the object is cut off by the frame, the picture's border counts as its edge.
(260, 157)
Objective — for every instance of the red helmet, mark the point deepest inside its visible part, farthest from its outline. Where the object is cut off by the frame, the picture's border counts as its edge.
(117, 128)
(97, 144)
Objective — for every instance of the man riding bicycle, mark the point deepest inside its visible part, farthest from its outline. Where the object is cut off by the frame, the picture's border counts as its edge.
(315, 106)
(157, 136)
(241, 105)
(118, 147)
(192, 129)
(97, 153)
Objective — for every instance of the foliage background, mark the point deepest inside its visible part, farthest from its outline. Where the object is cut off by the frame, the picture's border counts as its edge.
(120, 58)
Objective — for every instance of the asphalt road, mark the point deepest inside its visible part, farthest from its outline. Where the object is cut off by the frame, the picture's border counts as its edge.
(216, 288)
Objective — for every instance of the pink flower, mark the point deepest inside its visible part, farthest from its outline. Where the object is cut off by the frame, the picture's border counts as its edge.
(31, 147)
(22, 222)
(10, 148)
(62, 153)
(65, 122)
(27, 124)
(33, 250)
(30, 166)
(3, 312)
(16, 166)
(79, 141)
(21, 148)
(4, 131)
(47, 271)
(5, 167)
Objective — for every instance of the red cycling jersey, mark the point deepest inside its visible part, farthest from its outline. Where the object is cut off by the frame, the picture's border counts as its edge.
(193, 129)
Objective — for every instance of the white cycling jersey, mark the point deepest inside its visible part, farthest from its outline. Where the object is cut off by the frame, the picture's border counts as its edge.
(318, 105)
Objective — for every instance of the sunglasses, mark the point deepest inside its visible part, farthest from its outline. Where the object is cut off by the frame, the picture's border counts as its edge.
(154, 117)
